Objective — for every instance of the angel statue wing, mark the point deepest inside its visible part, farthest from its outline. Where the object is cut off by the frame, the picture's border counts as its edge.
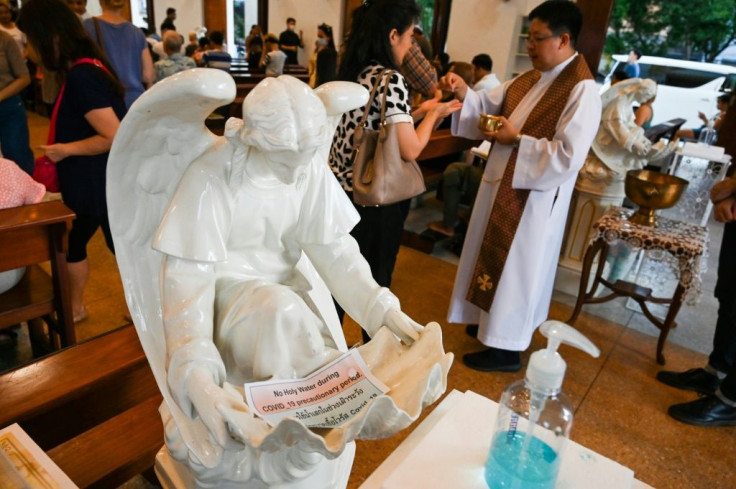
(160, 136)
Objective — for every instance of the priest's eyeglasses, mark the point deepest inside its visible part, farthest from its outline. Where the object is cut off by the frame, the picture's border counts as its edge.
(533, 41)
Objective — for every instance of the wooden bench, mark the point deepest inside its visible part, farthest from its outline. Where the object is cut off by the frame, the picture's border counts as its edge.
(29, 235)
(92, 407)
(441, 148)
(256, 77)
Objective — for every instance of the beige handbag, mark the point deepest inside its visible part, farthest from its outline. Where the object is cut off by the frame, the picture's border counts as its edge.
(380, 175)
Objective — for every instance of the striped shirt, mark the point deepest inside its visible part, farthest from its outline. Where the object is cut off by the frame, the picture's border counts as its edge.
(217, 59)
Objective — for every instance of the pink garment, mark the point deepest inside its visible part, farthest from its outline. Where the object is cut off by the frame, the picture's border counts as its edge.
(17, 187)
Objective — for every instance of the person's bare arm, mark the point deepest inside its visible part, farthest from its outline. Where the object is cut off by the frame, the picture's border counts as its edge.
(104, 121)
(643, 114)
(723, 190)
(15, 87)
(719, 121)
(148, 73)
(454, 83)
(411, 141)
(725, 210)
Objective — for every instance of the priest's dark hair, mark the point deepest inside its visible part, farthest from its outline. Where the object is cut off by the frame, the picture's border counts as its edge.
(562, 16)
(57, 36)
(368, 39)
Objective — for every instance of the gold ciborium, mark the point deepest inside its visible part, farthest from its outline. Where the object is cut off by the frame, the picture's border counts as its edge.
(652, 191)
(489, 123)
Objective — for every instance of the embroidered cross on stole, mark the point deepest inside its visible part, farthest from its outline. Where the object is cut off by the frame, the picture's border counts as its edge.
(509, 204)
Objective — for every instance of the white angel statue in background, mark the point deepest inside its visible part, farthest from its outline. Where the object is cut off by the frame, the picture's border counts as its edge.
(620, 145)
(225, 245)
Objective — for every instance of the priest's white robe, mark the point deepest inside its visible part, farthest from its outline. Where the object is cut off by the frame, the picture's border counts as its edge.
(549, 170)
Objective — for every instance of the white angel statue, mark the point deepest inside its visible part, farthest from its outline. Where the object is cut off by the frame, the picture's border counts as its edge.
(620, 145)
(225, 246)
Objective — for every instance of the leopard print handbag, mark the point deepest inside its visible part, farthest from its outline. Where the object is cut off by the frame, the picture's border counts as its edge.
(380, 175)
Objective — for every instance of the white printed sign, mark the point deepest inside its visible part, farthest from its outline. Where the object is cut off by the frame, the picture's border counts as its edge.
(326, 399)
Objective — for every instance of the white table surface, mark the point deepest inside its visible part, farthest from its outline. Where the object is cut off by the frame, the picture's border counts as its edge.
(400, 460)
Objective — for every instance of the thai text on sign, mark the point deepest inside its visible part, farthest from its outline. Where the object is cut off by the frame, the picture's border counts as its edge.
(327, 398)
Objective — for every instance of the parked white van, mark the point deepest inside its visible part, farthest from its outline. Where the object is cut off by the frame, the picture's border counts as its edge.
(684, 87)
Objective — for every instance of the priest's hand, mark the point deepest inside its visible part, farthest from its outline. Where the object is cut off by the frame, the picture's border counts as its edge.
(506, 134)
(402, 325)
(455, 84)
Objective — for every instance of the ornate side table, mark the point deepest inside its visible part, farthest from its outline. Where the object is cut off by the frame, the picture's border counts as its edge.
(679, 244)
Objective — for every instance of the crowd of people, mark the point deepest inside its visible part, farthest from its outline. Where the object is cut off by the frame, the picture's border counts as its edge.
(549, 116)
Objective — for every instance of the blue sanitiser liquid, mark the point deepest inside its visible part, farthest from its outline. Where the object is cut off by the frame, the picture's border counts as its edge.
(517, 463)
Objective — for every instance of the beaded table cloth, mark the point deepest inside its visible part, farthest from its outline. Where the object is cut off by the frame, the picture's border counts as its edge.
(679, 244)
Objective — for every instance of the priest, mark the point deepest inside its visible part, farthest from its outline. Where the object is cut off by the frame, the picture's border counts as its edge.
(548, 116)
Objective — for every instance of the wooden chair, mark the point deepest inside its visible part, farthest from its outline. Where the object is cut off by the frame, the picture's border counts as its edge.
(30, 235)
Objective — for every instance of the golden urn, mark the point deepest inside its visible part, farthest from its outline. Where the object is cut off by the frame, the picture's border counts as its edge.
(652, 191)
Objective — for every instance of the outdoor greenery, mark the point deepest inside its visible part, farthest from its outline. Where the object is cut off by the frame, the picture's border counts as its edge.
(698, 29)
(426, 16)
(239, 21)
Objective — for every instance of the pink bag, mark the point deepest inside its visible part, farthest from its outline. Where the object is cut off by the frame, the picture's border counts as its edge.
(45, 173)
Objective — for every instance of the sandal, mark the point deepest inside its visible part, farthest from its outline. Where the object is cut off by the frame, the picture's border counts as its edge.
(439, 226)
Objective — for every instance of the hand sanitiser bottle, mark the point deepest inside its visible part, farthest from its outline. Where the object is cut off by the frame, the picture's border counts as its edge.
(534, 417)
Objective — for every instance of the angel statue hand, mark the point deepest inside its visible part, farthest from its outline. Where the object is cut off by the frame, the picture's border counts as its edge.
(402, 325)
(642, 146)
(219, 409)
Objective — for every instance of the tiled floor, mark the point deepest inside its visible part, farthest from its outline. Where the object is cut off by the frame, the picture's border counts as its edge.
(620, 409)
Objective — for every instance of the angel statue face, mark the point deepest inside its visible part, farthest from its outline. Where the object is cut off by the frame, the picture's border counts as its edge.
(286, 121)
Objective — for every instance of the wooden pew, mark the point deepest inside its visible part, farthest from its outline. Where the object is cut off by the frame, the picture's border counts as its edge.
(442, 149)
(29, 235)
(442, 146)
(254, 78)
(92, 407)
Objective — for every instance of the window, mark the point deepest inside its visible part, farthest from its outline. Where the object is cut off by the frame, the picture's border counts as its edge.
(677, 77)
(239, 28)
(434, 19)
(729, 85)
(426, 17)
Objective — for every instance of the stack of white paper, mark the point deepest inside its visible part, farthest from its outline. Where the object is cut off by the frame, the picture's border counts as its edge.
(698, 150)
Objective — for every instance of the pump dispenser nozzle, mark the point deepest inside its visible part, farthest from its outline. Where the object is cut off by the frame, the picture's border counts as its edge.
(546, 368)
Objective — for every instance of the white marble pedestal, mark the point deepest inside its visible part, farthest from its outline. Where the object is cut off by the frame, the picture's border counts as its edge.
(332, 474)
(597, 189)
